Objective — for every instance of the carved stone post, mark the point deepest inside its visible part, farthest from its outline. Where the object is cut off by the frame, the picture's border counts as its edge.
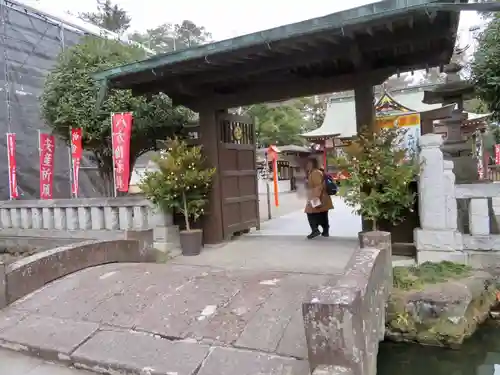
(431, 187)
(381, 241)
(451, 199)
(437, 238)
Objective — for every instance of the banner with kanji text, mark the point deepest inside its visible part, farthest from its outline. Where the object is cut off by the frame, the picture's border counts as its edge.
(76, 157)
(121, 129)
(11, 158)
(47, 148)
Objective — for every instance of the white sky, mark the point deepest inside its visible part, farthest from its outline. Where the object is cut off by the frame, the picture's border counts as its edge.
(224, 18)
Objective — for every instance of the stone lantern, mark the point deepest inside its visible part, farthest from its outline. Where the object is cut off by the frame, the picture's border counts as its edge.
(457, 145)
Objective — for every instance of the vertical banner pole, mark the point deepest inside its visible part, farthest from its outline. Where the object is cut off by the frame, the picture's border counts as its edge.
(39, 164)
(11, 193)
(71, 170)
(8, 161)
(113, 156)
(275, 180)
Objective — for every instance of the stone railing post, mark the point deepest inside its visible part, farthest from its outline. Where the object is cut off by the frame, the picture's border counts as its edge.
(431, 187)
(451, 199)
(479, 218)
(381, 241)
(345, 320)
(166, 234)
(437, 238)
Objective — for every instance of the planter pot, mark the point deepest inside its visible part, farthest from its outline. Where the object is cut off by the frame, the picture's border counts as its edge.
(191, 241)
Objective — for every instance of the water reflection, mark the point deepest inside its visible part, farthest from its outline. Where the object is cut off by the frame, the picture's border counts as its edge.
(480, 355)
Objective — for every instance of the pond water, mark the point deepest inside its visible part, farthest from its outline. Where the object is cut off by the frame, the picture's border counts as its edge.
(480, 355)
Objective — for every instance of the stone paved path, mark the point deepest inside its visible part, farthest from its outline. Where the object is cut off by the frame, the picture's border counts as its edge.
(170, 318)
(288, 202)
(235, 309)
(343, 223)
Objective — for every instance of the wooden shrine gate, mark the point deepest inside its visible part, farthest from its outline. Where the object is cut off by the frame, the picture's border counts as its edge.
(238, 174)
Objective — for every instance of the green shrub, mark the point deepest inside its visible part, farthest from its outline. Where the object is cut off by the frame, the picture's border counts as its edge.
(182, 181)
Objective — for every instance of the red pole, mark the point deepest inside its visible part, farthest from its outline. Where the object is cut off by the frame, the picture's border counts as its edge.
(272, 152)
(275, 180)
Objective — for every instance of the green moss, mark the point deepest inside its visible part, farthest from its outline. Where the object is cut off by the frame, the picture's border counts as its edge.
(407, 278)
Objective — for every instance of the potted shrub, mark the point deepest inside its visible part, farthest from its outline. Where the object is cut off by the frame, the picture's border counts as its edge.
(181, 183)
(380, 171)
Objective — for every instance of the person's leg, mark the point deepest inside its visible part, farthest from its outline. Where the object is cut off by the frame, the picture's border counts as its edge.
(313, 223)
(325, 224)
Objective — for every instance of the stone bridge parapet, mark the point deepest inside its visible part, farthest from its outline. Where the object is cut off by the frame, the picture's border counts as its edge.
(26, 275)
(344, 322)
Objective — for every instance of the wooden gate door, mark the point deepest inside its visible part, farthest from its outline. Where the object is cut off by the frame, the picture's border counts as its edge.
(238, 174)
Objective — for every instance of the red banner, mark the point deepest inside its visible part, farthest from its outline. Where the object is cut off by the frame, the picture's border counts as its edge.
(76, 157)
(121, 129)
(11, 157)
(497, 154)
(47, 148)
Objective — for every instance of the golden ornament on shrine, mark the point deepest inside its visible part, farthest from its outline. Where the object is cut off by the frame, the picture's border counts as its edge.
(237, 133)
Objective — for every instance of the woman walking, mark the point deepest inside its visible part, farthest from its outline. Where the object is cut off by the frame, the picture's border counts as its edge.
(318, 201)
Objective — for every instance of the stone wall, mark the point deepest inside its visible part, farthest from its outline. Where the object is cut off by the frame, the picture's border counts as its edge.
(345, 321)
(38, 222)
(459, 222)
(31, 273)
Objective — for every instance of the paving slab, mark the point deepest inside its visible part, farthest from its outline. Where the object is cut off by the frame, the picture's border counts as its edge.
(293, 343)
(47, 336)
(139, 353)
(10, 319)
(12, 363)
(227, 361)
(267, 328)
(278, 253)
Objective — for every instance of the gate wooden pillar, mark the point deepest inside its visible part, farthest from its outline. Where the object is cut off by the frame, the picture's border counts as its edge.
(213, 230)
(364, 102)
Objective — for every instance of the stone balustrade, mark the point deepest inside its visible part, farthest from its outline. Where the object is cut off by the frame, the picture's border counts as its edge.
(124, 213)
(48, 223)
(478, 196)
(459, 222)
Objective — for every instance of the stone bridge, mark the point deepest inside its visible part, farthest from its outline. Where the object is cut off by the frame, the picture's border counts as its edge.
(258, 305)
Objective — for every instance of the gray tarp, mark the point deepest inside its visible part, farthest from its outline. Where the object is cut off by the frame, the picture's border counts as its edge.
(32, 44)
